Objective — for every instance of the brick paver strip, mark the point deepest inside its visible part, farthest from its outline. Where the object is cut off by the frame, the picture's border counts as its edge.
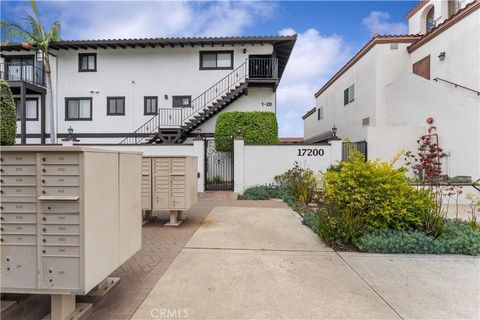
(160, 246)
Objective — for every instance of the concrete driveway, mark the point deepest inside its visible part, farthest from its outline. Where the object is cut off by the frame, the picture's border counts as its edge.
(262, 263)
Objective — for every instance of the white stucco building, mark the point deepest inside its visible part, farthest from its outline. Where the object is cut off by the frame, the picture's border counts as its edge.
(162, 90)
(385, 93)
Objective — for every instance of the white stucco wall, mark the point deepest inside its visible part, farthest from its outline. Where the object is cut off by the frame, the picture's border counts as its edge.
(461, 44)
(261, 163)
(417, 22)
(413, 99)
(258, 99)
(135, 73)
(380, 66)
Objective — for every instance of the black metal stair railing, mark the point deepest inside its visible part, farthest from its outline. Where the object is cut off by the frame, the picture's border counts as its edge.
(254, 68)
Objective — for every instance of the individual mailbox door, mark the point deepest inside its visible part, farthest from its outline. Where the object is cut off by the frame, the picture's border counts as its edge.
(18, 170)
(69, 229)
(59, 158)
(19, 158)
(19, 266)
(18, 181)
(60, 207)
(59, 218)
(55, 170)
(61, 273)
(18, 217)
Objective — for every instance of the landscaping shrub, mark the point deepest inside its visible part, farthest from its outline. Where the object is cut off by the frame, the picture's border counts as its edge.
(268, 192)
(8, 116)
(254, 127)
(458, 238)
(375, 194)
(302, 184)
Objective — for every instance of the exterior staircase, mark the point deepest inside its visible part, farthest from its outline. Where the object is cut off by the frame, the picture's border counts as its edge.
(173, 125)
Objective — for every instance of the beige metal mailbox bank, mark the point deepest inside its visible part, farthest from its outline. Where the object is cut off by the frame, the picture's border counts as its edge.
(169, 183)
(69, 217)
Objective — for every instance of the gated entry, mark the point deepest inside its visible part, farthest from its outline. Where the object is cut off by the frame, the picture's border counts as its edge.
(218, 167)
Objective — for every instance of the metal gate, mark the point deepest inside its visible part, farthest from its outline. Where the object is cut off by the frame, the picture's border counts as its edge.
(218, 166)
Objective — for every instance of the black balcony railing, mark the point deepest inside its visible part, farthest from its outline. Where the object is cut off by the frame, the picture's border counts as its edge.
(251, 69)
(21, 71)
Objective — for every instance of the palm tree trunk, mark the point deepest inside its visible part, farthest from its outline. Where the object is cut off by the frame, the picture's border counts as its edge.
(49, 99)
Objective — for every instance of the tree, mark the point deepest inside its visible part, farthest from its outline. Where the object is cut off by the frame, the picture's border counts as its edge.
(8, 121)
(30, 29)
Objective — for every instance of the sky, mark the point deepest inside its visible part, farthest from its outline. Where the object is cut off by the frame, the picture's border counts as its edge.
(329, 32)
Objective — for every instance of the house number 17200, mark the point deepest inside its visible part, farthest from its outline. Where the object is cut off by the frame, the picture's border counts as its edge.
(310, 152)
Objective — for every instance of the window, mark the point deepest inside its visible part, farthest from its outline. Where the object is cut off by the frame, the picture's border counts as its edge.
(216, 60)
(181, 101)
(150, 105)
(87, 62)
(115, 106)
(31, 106)
(78, 109)
(320, 113)
(349, 95)
(430, 21)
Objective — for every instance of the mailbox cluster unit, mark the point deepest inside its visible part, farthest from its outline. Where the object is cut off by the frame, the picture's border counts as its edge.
(169, 183)
(69, 217)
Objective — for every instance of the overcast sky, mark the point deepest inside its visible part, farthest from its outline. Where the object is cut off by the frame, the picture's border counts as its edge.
(329, 32)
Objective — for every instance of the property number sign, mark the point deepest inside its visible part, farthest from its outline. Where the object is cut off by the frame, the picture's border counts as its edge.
(310, 152)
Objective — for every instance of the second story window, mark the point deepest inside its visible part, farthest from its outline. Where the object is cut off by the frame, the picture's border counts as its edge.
(430, 19)
(32, 109)
(115, 106)
(349, 95)
(181, 101)
(216, 60)
(150, 105)
(78, 109)
(87, 62)
(320, 113)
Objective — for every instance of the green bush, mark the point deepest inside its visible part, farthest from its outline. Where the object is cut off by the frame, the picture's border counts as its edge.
(458, 238)
(303, 184)
(374, 193)
(268, 192)
(254, 127)
(8, 116)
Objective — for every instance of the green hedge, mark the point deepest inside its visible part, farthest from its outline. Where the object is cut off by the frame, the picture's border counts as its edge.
(254, 127)
(8, 116)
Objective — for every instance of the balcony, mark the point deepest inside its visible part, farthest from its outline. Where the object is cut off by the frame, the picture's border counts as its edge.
(20, 71)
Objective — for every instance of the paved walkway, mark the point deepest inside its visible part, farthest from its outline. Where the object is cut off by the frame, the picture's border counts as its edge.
(262, 263)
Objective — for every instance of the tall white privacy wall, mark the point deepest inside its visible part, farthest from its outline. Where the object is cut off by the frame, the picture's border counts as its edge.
(195, 150)
(258, 164)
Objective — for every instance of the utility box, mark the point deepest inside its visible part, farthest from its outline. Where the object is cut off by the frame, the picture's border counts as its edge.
(70, 216)
(169, 183)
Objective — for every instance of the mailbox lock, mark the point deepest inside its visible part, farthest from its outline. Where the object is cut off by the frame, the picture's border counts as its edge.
(1, 218)
(1, 170)
(44, 240)
(49, 208)
(44, 251)
(1, 191)
(43, 191)
(44, 159)
(43, 170)
(1, 229)
(1, 208)
(1, 239)
(7, 259)
(43, 180)
(44, 229)
(44, 219)
(50, 271)
(1, 159)
(1, 180)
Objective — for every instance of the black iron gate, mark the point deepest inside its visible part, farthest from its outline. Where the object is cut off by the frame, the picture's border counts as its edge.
(219, 165)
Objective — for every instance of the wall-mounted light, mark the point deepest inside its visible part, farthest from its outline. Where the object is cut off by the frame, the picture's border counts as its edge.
(244, 50)
(94, 91)
(334, 131)
(441, 56)
(166, 97)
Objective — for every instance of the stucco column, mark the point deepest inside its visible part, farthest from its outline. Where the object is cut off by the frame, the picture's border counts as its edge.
(199, 152)
(336, 146)
(238, 165)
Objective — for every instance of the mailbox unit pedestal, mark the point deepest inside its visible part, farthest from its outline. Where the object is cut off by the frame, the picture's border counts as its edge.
(169, 183)
(69, 217)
